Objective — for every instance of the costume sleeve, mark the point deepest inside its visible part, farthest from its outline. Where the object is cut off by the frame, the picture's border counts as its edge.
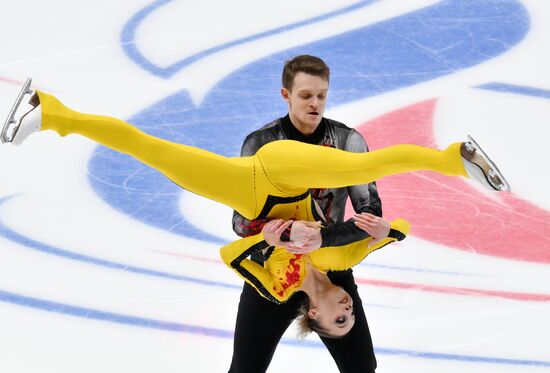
(235, 256)
(244, 227)
(347, 256)
(364, 198)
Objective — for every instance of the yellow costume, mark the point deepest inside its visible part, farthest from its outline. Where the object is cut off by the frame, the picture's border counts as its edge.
(280, 172)
(283, 272)
(274, 183)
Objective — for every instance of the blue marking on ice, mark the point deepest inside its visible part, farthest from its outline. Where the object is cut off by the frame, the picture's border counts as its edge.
(131, 47)
(516, 89)
(10, 234)
(142, 322)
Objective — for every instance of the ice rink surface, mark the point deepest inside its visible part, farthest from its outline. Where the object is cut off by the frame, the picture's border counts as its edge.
(106, 266)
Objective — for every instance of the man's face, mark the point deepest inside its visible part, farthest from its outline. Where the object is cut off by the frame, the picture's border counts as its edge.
(306, 101)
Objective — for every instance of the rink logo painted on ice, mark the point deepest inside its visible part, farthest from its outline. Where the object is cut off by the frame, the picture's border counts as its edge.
(419, 46)
(449, 211)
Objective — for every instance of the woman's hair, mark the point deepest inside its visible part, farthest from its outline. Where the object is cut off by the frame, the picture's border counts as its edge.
(306, 64)
(307, 325)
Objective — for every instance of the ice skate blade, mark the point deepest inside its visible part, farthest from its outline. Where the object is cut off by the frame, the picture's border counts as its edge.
(12, 124)
(482, 168)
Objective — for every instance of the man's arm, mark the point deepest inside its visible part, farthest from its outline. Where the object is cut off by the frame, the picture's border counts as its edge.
(244, 227)
(352, 254)
(364, 198)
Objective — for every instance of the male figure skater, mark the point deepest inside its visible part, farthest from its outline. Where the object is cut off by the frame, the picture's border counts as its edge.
(260, 324)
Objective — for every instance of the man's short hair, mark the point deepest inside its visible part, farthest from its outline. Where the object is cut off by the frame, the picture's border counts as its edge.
(307, 64)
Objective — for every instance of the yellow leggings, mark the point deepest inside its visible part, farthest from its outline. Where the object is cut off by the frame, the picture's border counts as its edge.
(281, 168)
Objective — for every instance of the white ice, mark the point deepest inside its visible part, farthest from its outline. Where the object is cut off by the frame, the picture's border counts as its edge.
(73, 50)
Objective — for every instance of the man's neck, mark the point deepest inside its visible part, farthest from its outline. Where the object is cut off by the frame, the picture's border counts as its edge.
(302, 128)
(313, 135)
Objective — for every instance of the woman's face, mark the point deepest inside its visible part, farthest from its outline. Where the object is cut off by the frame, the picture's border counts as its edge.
(334, 312)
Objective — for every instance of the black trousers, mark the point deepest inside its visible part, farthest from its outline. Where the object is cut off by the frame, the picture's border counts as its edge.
(261, 324)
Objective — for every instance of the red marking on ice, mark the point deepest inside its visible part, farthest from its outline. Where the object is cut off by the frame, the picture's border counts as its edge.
(192, 257)
(458, 291)
(20, 83)
(449, 211)
(401, 285)
(10, 81)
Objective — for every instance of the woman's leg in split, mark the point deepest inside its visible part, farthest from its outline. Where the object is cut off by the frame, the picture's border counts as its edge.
(292, 164)
(226, 180)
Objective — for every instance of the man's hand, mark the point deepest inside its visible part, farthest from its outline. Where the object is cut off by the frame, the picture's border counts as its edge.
(305, 237)
(272, 231)
(377, 227)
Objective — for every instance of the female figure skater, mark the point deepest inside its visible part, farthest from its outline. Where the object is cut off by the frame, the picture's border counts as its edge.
(274, 183)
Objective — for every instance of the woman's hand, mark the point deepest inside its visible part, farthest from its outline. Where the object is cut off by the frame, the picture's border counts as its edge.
(375, 226)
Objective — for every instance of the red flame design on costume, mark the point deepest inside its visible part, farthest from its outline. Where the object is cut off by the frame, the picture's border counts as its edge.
(292, 274)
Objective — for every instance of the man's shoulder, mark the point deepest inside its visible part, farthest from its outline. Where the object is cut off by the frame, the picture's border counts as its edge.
(271, 125)
(271, 130)
(264, 135)
(343, 132)
(338, 125)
